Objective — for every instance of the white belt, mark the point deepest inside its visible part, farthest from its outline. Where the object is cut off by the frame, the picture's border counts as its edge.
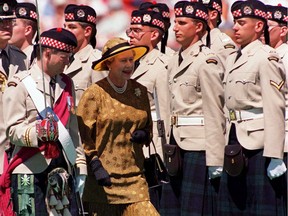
(186, 120)
(286, 113)
(154, 116)
(242, 115)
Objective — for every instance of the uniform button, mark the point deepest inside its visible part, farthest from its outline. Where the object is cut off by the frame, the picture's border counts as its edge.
(229, 97)
(230, 81)
(173, 96)
(175, 80)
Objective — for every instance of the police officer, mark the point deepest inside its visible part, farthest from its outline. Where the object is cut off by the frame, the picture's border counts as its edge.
(81, 20)
(45, 134)
(197, 118)
(253, 87)
(25, 29)
(220, 42)
(147, 28)
(12, 60)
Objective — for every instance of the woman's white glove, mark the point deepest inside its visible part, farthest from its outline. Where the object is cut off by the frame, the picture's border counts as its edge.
(215, 171)
(80, 184)
(276, 168)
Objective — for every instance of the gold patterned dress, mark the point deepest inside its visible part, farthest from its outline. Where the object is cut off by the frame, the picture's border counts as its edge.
(106, 121)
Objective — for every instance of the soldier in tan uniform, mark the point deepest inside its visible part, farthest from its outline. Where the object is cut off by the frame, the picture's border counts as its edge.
(220, 42)
(46, 140)
(25, 29)
(254, 95)
(197, 117)
(147, 29)
(81, 20)
(12, 60)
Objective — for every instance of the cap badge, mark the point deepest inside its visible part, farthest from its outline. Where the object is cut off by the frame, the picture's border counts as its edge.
(146, 18)
(5, 7)
(277, 15)
(247, 10)
(22, 11)
(80, 13)
(189, 9)
(206, 1)
(156, 10)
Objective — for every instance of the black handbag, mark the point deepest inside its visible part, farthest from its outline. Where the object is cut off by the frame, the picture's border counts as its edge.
(172, 158)
(234, 160)
(155, 170)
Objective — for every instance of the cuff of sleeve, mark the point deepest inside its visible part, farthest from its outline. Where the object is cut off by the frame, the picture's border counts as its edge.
(30, 137)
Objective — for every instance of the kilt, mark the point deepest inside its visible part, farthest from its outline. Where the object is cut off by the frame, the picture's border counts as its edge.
(191, 193)
(253, 193)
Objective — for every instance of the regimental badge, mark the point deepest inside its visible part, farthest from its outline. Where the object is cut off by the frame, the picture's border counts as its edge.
(247, 10)
(277, 15)
(80, 13)
(5, 7)
(189, 9)
(146, 18)
(156, 10)
(22, 11)
(206, 1)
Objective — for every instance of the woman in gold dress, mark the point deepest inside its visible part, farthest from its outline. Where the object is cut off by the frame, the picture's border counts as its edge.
(115, 122)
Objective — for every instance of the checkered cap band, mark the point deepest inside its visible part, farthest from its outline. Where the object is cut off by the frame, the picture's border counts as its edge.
(217, 7)
(45, 41)
(237, 13)
(269, 15)
(136, 19)
(178, 11)
(158, 23)
(33, 15)
(285, 18)
(165, 14)
(260, 13)
(91, 19)
(69, 16)
(201, 14)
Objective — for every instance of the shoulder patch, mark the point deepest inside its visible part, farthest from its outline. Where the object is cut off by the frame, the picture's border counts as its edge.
(11, 83)
(229, 46)
(213, 61)
(276, 85)
(273, 58)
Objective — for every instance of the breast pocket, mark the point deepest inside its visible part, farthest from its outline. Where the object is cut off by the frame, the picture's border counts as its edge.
(189, 89)
(246, 85)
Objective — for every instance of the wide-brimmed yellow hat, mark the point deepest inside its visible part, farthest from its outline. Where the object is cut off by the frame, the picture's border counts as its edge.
(114, 47)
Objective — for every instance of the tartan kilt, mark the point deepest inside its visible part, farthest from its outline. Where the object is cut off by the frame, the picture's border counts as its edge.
(253, 193)
(191, 193)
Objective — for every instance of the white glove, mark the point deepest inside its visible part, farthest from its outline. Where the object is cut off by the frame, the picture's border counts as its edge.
(214, 171)
(276, 168)
(80, 183)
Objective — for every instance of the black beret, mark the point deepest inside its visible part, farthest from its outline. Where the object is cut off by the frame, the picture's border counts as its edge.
(249, 8)
(26, 11)
(277, 13)
(59, 38)
(7, 8)
(213, 4)
(148, 18)
(195, 10)
(80, 13)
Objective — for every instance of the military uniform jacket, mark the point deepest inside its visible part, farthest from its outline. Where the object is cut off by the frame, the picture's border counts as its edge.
(28, 52)
(256, 80)
(21, 116)
(196, 90)
(17, 62)
(80, 70)
(152, 73)
(221, 44)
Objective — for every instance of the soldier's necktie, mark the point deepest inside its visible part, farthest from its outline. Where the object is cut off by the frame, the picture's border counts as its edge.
(5, 61)
(52, 89)
(239, 53)
(180, 58)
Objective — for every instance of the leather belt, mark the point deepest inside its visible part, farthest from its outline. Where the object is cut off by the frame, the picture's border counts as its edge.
(242, 115)
(186, 120)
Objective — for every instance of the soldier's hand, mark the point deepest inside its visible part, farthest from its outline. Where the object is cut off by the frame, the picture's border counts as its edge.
(100, 173)
(276, 168)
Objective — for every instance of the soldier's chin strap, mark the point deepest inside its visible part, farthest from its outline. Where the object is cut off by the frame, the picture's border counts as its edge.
(41, 55)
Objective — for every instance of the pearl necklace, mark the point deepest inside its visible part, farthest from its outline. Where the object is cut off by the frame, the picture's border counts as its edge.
(119, 90)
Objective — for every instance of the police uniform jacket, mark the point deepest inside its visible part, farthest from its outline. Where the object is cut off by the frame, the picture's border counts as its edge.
(17, 63)
(80, 70)
(196, 91)
(152, 73)
(255, 83)
(221, 44)
(21, 116)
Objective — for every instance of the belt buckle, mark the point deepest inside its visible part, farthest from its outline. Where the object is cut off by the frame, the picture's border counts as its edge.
(174, 120)
(232, 115)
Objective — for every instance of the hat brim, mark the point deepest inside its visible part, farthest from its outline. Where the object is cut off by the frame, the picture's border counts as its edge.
(100, 65)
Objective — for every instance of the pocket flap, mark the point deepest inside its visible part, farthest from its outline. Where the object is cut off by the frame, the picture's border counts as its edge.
(169, 149)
